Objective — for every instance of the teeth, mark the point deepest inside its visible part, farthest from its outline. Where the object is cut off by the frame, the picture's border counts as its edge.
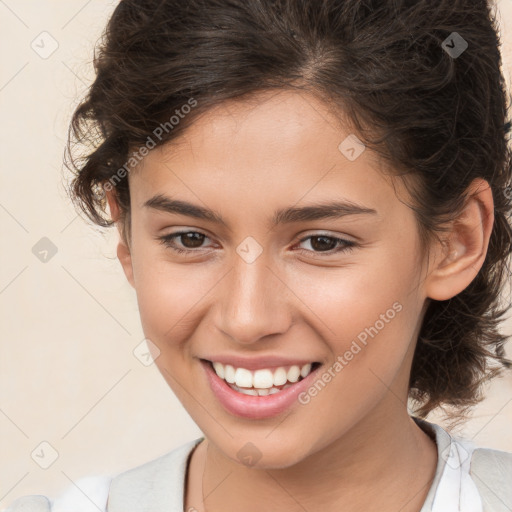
(229, 373)
(248, 391)
(260, 392)
(261, 382)
(294, 374)
(280, 377)
(219, 369)
(304, 371)
(262, 379)
(243, 378)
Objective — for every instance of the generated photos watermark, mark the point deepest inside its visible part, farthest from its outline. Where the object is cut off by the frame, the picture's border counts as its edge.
(343, 360)
(137, 156)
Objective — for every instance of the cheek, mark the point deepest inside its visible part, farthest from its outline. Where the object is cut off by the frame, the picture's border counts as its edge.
(170, 299)
(169, 295)
(368, 322)
(168, 303)
(367, 311)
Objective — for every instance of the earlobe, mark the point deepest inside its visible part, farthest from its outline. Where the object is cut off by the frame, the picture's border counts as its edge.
(112, 204)
(123, 250)
(125, 258)
(462, 253)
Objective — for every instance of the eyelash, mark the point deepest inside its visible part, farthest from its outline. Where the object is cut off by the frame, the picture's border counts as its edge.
(348, 245)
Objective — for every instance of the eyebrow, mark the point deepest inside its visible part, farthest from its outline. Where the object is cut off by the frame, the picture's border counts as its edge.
(326, 210)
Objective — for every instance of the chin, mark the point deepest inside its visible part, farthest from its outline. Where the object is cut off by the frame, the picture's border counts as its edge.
(264, 453)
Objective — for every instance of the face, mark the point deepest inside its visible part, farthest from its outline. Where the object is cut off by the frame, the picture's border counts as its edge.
(268, 292)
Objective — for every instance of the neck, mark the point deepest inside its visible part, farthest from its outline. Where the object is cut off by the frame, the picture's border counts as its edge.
(382, 463)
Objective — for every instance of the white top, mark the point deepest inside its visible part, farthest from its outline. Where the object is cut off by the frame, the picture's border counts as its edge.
(467, 479)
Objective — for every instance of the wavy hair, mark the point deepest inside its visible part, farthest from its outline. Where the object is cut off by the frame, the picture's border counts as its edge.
(433, 104)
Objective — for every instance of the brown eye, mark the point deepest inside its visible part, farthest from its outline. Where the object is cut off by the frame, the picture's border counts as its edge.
(191, 241)
(323, 243)
(327, 244)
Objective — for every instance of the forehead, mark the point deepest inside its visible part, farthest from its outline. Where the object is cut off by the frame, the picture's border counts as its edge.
(265, 123)
(275, 144)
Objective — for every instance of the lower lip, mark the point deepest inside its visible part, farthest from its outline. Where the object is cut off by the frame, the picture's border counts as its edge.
(255, 407)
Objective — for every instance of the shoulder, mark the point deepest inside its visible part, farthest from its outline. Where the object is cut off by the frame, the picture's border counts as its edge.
(34, 503)
(157, 484)
(489, 459)
(88, 494)
(161, 480)
(491, 471)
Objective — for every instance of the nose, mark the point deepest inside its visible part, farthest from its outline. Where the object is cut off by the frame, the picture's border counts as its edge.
(253, 302)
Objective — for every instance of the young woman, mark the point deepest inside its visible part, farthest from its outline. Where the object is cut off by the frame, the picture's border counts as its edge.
(313, 199)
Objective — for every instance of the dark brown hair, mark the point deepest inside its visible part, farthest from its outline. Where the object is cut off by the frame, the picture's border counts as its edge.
(389, 67)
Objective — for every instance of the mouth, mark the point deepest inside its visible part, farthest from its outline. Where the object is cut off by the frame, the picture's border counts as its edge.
(264, 381)
(259, 393)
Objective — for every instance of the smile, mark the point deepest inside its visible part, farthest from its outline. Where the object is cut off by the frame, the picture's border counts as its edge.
(260, 393)
(263, 381)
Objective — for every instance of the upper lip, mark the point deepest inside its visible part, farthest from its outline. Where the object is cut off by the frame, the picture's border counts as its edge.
(258, 362)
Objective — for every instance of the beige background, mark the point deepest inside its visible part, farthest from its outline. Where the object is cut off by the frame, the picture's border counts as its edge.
(69, 326)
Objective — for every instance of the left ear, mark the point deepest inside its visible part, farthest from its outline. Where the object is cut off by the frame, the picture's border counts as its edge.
(464, 246)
